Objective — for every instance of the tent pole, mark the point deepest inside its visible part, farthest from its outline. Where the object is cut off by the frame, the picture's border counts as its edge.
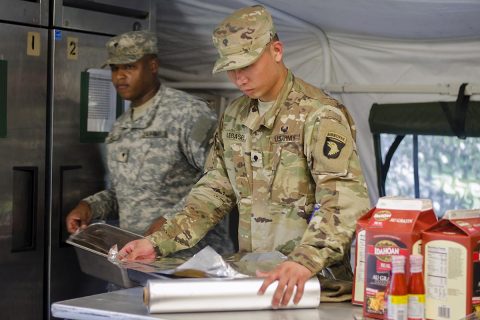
(448, 88)
(444, 89)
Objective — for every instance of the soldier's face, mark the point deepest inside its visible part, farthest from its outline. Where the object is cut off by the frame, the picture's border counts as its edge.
(262, 79)
(135, 81)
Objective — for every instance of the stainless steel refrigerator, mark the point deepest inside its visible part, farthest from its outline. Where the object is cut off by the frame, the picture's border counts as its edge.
(48, 159)
(23, 136)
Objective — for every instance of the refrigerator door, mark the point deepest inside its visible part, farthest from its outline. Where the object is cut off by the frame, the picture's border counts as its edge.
(33, 12)
(78, 165)
(77, 153)
(23, 100)
(104, 16)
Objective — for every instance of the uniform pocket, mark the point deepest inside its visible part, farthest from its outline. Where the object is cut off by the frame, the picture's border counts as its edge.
(155, 159)
(291, 177)
(122, 161)
(239, 172)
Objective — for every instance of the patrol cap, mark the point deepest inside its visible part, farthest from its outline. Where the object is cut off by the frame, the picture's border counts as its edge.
(130, 47)
(242, 37)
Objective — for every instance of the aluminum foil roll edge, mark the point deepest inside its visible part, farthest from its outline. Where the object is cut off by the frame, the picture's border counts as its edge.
(196, 295)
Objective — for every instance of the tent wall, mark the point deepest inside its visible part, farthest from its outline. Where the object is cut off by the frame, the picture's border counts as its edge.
(185, 26)
(374, 61)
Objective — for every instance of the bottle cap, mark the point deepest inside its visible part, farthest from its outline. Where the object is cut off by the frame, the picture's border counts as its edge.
(416, 262)
(398, 264)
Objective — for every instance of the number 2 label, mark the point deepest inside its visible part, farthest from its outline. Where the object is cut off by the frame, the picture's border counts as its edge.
(72, 48)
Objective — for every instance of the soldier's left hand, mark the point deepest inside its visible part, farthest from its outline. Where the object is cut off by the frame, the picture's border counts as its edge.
(290, 275)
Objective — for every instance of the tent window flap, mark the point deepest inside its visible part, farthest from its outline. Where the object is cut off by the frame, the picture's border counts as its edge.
(417, 143)
(427, 118)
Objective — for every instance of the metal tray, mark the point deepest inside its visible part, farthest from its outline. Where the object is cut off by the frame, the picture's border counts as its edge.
(92, 245)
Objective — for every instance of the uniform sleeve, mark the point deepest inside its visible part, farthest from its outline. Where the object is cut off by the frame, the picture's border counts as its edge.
(208, 202)
(103, 204)
(197, 130)
(340, 191)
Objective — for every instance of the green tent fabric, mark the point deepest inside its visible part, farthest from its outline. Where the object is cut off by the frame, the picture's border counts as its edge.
(460, 118)
(427, 118)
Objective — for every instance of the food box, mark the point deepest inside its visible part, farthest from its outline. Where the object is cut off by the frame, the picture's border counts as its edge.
(92, 246)
(359, 261)
(452, 265)
(393, 227)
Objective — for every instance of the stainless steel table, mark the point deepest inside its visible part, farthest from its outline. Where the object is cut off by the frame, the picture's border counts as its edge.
(128, 304)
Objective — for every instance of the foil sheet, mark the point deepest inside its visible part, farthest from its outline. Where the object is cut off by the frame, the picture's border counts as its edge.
(207, 263)
(197, 295)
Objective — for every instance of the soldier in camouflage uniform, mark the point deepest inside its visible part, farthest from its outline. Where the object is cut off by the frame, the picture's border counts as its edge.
(281, 150)
(156, 150)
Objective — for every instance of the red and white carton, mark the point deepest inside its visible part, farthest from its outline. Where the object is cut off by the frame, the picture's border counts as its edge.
(452, 265)
(394, 228)
(359, 264)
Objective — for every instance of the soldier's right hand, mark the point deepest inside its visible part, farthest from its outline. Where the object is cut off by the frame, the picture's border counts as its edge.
(79, 217)
(139, 250)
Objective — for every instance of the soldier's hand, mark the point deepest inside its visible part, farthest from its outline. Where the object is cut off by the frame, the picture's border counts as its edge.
(290, 276)
(79, 217)
(140, 250)
(155, 226)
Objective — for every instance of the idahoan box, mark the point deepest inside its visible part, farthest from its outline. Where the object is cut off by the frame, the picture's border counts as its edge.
(394, 228)
(359, 264)
(452, 265)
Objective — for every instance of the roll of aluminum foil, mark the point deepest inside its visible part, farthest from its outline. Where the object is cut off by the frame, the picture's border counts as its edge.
(194, 295)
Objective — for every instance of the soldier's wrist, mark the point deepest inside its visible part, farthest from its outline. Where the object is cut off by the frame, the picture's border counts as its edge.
(155, 246)
(85, 208)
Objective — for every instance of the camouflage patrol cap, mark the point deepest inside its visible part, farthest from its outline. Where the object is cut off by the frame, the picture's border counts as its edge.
(130, 47)
(242, 37)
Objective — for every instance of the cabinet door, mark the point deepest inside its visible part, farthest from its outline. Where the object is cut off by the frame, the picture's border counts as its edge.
(78, 166)
(23, 113)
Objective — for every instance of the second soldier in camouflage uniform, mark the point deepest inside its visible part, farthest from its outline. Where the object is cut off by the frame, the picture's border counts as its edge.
(156, 150)
(281, 149)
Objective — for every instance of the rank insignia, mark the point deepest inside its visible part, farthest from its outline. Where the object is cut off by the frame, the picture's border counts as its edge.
(333, 146)
(256, 159)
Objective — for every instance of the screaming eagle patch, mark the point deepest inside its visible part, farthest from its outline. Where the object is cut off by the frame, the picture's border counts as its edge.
(333, 145)
(333, 148)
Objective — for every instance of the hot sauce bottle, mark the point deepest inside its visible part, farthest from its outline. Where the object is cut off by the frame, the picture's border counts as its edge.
(385, 297)
(416, 289)
(398, 293)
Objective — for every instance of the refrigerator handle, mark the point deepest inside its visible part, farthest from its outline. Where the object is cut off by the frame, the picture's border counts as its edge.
(3, 97)
(106, 8)
(24, 208)
(63, 234)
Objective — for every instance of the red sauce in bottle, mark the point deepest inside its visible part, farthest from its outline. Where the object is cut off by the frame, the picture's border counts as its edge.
(398, 294)
(416, 289)
(385, 296)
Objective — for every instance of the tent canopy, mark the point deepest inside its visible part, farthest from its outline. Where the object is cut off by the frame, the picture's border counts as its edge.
(361, 51)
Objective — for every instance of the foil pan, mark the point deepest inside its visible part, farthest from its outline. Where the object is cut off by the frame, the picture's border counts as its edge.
(210, 294)
(92, 246)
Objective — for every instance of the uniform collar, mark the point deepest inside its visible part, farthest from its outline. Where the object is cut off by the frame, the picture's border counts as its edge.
(252, 119)
(146, 119)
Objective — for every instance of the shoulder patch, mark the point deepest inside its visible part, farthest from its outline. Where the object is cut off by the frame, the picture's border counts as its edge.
(333, 147)
(334, 143)
(330, 114)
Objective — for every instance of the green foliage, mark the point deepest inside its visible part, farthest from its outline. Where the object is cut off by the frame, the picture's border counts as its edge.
(449, 171)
